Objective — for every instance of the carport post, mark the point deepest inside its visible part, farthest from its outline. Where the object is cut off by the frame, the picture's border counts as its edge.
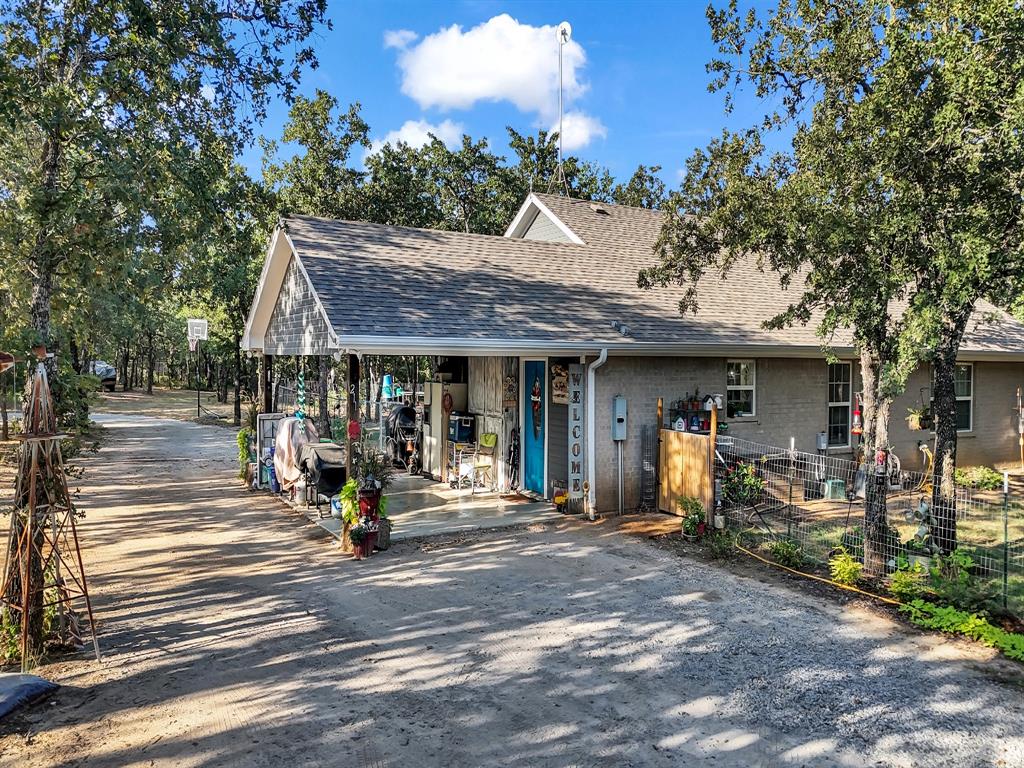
(266, 382)
(351, 407)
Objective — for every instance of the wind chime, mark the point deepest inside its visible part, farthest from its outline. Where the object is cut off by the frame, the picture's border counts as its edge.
(43, 576)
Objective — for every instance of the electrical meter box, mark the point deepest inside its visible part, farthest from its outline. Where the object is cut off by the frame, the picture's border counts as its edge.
(619, 418)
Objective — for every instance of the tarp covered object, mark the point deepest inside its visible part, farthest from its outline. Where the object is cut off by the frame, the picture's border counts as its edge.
(18, 690)
(290, 438)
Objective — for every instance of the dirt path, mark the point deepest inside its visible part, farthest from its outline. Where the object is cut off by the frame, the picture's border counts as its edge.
(234, 634)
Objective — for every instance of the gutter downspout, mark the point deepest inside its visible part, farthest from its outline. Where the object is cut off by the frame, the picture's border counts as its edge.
(602, 358)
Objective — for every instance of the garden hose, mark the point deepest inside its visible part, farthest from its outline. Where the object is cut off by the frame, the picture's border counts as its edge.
(847, 587)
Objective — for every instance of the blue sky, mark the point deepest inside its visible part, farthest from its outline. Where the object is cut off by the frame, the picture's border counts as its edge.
(637, 86)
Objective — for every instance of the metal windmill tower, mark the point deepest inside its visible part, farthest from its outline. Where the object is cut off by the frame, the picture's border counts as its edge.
(564, 34)
(43, 577)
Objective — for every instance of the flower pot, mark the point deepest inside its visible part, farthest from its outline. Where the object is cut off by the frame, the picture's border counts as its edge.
(369, 503)
(914, 423)
(370, 543)
(359, 550)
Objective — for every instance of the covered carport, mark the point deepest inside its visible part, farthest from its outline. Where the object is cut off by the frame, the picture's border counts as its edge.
(345, 290)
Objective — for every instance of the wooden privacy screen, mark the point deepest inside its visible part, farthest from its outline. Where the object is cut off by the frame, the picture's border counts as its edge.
(684, 469)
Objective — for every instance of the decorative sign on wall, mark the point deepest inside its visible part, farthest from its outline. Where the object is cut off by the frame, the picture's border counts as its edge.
(510, 395)
(559, 385)
(575, 400)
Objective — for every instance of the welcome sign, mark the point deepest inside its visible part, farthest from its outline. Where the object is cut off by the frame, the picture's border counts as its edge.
(575, 434)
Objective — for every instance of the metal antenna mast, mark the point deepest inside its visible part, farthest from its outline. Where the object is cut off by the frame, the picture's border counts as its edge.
(564, 34)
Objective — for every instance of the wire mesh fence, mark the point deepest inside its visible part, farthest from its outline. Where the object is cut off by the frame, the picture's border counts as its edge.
(817, 502)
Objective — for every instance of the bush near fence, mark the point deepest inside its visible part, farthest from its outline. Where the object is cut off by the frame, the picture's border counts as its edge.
(794, 504)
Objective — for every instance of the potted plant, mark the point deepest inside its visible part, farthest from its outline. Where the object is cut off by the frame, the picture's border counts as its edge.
(359, 536)
(694, 517)
(919, 418)
(374, 474)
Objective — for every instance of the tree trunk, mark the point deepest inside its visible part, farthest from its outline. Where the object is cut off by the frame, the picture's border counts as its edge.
(944, 410)
(5, 429)
(875, 460)
(125, 381)
(237, 421)
(150, 362)
(324, 414)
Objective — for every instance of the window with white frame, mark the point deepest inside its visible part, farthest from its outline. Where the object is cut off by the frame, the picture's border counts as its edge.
(839, 392)
(740, 380)
(963, 386)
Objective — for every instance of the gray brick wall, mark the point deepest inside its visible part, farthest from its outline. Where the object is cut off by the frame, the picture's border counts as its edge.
(297, 327)
(792, 401)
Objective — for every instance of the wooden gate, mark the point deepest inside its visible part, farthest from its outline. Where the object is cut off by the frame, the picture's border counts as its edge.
(684, 469)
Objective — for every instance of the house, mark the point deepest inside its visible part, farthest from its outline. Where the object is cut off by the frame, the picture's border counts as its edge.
(557, 294)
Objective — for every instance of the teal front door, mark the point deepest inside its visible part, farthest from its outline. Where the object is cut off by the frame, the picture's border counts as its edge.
(534, 394)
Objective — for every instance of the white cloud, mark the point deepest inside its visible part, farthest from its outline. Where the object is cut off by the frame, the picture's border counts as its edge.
(578, 129)
(416, 133)
(498, 60)
(399, 38)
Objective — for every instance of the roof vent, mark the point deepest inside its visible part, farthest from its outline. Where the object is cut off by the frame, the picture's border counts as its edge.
(622, 328)
(598, 209)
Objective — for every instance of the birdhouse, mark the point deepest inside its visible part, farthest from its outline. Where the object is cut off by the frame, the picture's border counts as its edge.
(711, 402)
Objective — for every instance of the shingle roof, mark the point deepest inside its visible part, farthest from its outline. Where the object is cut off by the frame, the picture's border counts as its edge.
(383, 281)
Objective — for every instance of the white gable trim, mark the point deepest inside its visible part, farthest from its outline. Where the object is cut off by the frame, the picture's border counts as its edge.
(528, 211)
(280, 252)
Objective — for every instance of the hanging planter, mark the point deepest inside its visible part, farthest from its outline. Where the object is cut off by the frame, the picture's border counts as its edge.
(919, 419)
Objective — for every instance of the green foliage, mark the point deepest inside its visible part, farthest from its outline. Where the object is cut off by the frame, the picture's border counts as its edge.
(358, 534)
(742, 484)
(907, 583)
(694, 518)
(884, 171)
(244, 438)
(843, 568)
(951, 580)
(350, 501)
(720, 544)
(949, 619)
(983, 478)
(10, 638)
(374, 470)
(786, 552)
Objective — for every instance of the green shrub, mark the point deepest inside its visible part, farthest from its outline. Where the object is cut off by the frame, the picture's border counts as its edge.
(721, 545)
(951, 581)
(946, 618)
(244, 436)
(983, 478)
(742, 484)
(845, 569)
(787, 553)
(907, 584)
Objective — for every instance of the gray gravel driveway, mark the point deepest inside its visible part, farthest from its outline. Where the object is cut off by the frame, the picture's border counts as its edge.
(236, 635)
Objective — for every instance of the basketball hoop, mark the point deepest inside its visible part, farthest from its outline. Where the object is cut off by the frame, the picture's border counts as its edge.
(193, 342)
(197, 329)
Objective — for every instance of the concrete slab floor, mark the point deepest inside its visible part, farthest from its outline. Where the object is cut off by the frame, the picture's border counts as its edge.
(419, 506)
